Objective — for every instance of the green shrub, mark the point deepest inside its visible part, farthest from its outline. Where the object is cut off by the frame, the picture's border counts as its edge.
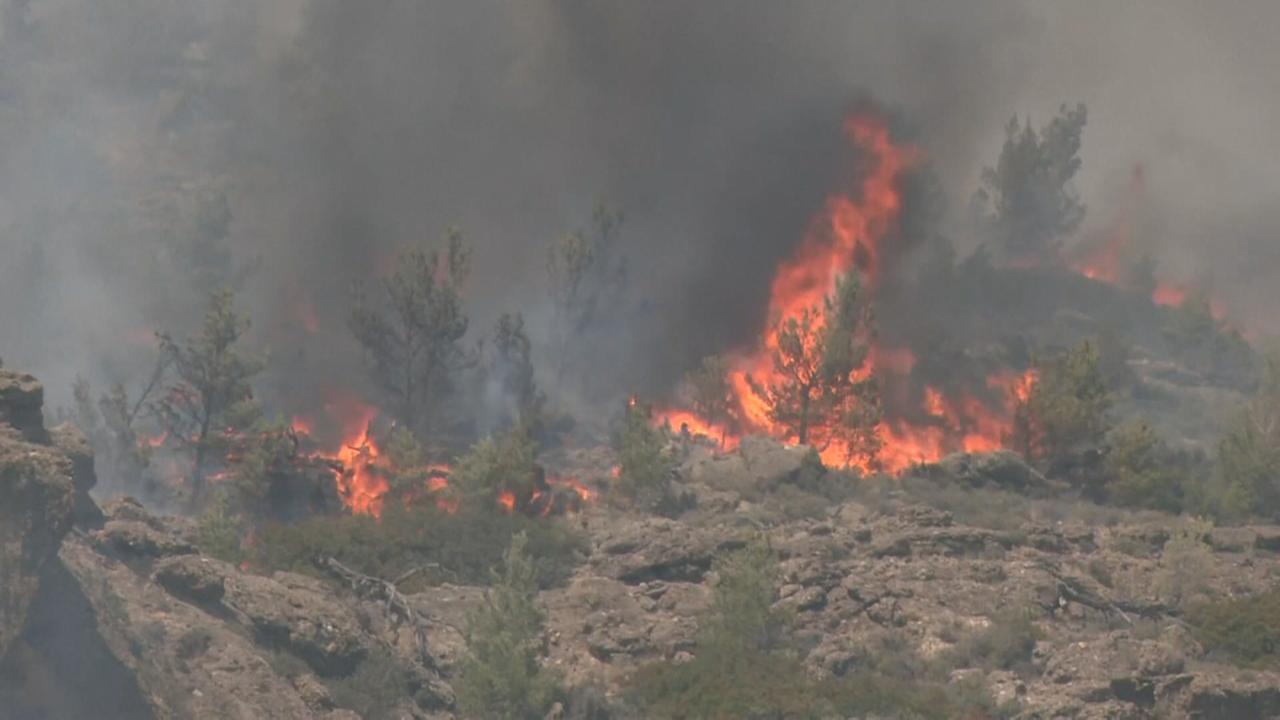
(1006, 644)
(1243, 630)
(501, 676)
(1142, 472)
(1185, 562)
(645, 465)
(220, 531)
(456, 547)
(1068, 408)
(376, 688)
(497, 465)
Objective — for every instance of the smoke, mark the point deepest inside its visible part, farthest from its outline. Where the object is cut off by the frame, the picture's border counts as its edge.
(313, 138)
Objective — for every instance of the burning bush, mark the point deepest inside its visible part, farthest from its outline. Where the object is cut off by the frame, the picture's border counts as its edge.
(501, 470)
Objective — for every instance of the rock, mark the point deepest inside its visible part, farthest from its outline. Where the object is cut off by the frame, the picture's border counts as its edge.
(923, 516)
(74, 445)
(1267, 538)
(941, 541)
(1231, 539)
(1001, 469)
(22, 405)
(657, 549)
(140, 540)
(301, 615)
(760, 465)
(37, 501)
(193, 577)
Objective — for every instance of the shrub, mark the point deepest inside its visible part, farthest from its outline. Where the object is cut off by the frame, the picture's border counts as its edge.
(376, 688)
(497, 465)
(1006, 644)
(1068, 408)
(501, 676)
(1248, 477)
(220, 531)
(1142, 472)
(1185, 563)
(455, 547)
(645, 465)
(1244, 630)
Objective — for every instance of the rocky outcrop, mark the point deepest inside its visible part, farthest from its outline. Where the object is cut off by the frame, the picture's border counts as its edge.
(36, 508)
(37, 499)
(22, 405)
(125, 616)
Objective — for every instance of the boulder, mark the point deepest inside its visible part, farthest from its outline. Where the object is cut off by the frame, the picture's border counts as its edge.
(37, 501)
(22, 405)
(1002, 469)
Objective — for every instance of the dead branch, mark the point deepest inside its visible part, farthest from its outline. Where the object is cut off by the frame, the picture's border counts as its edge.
(1075, 590)
(395, 604)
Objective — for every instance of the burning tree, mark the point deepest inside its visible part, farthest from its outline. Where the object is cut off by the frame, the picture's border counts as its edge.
(1027, 198)
(414, 338)
(822, 392)
(212, 394)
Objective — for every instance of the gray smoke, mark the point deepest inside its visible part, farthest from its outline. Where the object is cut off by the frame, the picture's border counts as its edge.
(315, 137)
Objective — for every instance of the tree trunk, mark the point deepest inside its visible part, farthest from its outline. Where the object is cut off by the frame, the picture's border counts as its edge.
(197, 472)
(803, 433)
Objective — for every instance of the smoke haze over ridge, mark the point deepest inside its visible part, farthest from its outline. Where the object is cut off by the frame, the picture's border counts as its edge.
(338, 132)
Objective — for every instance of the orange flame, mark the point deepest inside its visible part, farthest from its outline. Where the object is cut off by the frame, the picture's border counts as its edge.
(849, 235)
(680, 420)
(507, 501)
(585, 493)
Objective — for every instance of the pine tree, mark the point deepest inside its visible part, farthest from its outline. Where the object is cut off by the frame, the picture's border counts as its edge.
(1027, 199)
(212, 395)
(501, 677)
(823, 394)
(413, 337)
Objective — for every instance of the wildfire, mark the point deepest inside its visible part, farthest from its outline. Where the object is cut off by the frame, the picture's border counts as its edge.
(584, 493)
(507, 501)
(682, 420)
(362, 482)
(851, 235)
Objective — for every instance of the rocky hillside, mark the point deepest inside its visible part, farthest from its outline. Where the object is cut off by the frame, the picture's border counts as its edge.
(1054, 608)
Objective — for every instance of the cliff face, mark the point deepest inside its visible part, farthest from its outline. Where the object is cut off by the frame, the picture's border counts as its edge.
(36, 500)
